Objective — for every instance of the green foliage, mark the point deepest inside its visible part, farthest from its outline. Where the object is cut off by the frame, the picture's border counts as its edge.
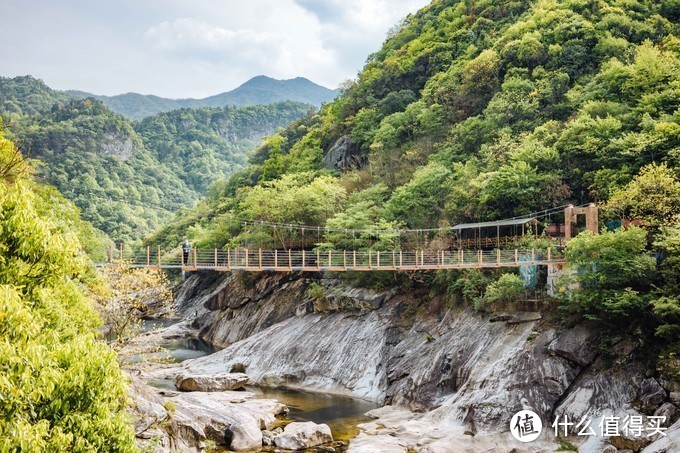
(653, 196)
(61, 389)
(26, 95)
(565, 445)
(364, 213)
(128, 179)
(507, 289)
(484, 110)
(472, 284)
(666, 302)
(316, 292)
(201, 146)
(418, 201)
(611, 272)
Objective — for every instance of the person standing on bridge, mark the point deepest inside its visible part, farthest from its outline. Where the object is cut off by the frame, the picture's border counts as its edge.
(186, 251)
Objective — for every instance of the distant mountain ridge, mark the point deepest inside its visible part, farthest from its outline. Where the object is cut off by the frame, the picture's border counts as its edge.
(256, 91)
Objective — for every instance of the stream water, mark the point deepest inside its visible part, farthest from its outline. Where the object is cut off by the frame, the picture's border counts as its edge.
(341, 413)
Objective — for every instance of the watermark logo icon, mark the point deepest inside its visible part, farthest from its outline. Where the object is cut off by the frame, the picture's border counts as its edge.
(526, 426)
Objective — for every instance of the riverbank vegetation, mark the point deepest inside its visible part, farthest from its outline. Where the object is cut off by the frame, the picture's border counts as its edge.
(61, 387)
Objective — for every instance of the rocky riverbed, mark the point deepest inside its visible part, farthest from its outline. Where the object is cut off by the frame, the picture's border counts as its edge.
(177, 411)
(449, 379)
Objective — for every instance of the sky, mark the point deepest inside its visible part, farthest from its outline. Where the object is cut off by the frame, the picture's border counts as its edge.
(191, 48)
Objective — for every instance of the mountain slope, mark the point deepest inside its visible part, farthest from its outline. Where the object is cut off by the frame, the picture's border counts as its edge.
(478, 111)
(263, 90)
(27, 95)
(484, 110)
(130, 178)
(256, 91)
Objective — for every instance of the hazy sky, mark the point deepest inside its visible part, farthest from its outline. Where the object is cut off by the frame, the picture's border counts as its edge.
(191, 48)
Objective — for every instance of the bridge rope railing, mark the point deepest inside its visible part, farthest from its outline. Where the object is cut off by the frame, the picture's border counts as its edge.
(336, 260)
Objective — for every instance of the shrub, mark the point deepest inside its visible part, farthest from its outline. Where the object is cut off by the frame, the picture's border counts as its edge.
(507, 289)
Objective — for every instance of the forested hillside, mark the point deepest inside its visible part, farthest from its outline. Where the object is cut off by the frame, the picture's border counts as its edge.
(485, 110)
(62, 389)
(481, 110)
(129, 178)
(27, 96)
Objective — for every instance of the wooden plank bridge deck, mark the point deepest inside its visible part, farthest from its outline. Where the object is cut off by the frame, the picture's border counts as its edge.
(260, 260)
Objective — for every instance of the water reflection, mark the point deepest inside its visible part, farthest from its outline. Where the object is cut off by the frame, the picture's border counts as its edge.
(187, 348)
(341, 413)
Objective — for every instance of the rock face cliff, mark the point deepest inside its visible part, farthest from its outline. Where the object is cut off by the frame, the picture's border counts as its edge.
(450, 376)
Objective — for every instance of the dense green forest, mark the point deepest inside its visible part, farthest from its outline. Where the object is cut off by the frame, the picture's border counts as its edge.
(27, 95)
(481, 110)
(128, 178)
(61, 387)
(484, 110)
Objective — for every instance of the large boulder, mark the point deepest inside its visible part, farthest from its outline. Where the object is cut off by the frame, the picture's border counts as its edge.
(146, 407)
(224, 418)
(652, 395)
(576, 345)
(211, 383)
(299, 435)
(343, 154)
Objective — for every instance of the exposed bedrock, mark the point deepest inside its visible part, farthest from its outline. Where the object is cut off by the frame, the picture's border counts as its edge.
(457, 373)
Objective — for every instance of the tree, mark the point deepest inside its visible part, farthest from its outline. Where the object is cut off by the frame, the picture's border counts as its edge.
(129, 295)
(507, 289)
(652, 196)
(418, 202)
(61, 389)
(610, 270)
(667, 301)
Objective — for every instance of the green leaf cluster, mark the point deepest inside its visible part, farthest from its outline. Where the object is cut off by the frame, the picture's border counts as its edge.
(60, 388)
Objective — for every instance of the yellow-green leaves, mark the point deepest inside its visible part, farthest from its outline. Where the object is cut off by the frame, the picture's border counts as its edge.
(60, 388)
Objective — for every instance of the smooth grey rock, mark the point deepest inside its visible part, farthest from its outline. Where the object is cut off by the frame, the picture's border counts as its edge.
(669, 411)
(576, 344)
(201, 416)
(341, 297)
(301, 435)
(675, 398)
(473, 377)
(343, 154)
(670, 443)
(651, 394)
(116, 145)
(610, 449)
(145, 406)
(211, 383)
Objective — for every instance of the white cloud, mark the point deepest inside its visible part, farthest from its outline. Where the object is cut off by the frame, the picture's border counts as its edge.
(177, 48)
(193, 38)
(261, 52)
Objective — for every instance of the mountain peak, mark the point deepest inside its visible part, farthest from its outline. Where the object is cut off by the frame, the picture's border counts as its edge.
(258, 90)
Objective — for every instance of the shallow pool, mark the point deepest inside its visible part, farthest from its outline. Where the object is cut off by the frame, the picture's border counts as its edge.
(341, 413)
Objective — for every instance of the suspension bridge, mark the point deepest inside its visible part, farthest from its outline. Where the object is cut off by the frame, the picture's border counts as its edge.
(476, 245)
